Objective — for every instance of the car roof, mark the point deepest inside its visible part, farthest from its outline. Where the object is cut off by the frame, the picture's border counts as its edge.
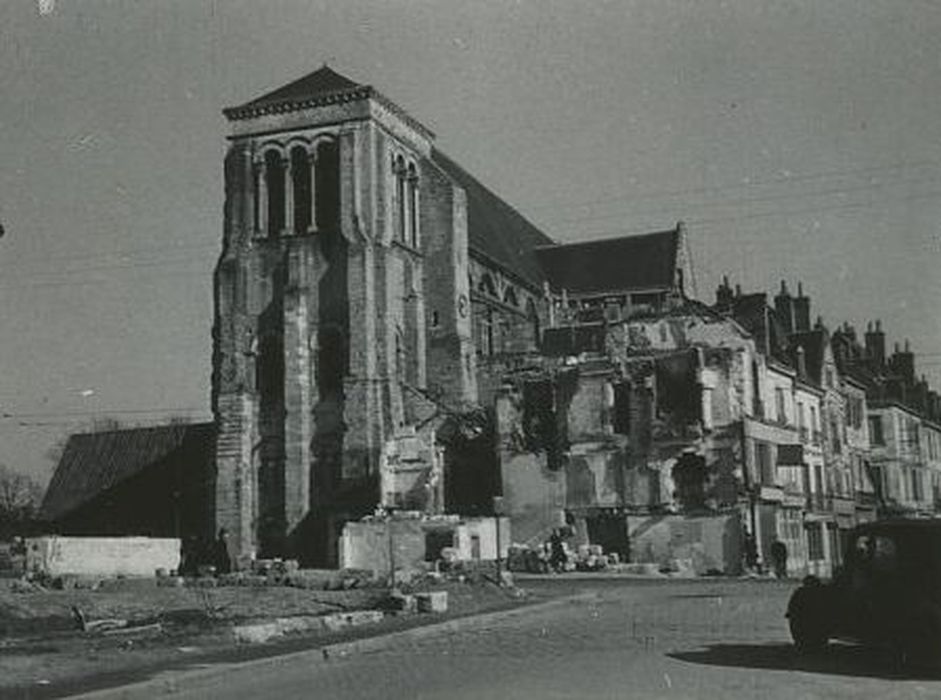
(899, 524)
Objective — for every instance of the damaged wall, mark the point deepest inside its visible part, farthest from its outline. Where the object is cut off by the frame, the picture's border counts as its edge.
(411, 472)
(414, 542)
(709, 543)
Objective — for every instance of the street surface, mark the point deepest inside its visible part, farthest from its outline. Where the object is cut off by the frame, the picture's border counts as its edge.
(629, 639)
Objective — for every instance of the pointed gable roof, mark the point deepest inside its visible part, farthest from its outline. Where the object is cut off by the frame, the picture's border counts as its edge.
(626, 263)
(95, 462)
(322, 86)
(496, 230)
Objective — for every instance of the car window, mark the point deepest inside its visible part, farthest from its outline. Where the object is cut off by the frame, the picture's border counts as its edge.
(885, 556)
(876, 552)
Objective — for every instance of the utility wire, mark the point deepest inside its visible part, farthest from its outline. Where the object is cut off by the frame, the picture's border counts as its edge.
(792, 212)
(765, 198)
(784, 179)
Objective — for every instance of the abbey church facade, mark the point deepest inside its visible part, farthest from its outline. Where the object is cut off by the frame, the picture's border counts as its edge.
(364, 281)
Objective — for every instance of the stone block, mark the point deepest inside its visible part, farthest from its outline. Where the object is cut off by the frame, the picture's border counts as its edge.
(432, 601)
(300, 624)
(256, 633)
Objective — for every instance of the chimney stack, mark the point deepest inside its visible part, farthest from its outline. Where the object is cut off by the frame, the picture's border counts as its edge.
(784, 309)
(875, 345)
(904, 364)
(724, 295)
(801, 310)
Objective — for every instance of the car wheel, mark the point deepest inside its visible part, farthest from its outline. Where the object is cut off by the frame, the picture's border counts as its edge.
(807, 633)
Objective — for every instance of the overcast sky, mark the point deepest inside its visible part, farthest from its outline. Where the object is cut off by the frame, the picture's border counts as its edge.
(798, 140)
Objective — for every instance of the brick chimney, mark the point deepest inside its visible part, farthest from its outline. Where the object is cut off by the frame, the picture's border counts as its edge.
(724, 295)
(902, 363)
(784, 309)
(875, 345)
(801, 310)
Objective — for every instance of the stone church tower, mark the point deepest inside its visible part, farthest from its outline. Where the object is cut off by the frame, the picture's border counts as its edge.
(358, 263)
(331, 219)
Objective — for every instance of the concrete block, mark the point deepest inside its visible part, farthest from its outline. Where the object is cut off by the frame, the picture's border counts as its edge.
(256, 633)
(102, 556)
(300, 624)
(170, 582)
(432, 601)
(338, 621)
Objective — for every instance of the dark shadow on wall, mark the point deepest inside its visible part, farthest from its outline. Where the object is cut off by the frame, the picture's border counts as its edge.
(471, 469)
(836, 660)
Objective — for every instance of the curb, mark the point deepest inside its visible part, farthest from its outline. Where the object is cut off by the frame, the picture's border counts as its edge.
(167, 683)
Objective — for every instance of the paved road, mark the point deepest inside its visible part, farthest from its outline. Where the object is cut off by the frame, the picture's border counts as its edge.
(627, 640)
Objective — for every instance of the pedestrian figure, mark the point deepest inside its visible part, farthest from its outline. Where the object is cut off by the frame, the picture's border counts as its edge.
(779, 558)
(557, 551)
(751, 552)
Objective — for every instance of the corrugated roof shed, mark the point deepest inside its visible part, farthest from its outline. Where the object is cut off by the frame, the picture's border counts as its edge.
(95, 462)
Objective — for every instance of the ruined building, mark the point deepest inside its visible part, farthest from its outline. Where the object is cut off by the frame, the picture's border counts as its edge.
(371, 297)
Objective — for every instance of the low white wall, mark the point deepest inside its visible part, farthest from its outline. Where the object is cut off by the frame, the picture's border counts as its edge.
(486, 530)
(102, 556)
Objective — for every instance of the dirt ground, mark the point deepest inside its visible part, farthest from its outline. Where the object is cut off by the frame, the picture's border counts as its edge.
(44, 654)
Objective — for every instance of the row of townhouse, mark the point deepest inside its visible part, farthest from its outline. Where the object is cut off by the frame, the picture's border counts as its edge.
(840, 434)
(679, 430)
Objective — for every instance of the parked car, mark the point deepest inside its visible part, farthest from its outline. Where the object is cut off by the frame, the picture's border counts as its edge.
(887, 593)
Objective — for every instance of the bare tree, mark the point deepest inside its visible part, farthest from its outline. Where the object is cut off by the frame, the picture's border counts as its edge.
(20, 498)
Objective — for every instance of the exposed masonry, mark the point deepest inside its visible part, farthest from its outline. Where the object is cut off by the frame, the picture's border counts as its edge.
(346, 318)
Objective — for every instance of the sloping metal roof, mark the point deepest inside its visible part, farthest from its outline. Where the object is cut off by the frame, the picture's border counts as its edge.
(626, 263)
(495, 229)
(95, 462)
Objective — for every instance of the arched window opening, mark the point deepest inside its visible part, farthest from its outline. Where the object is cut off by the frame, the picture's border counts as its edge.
(412, 193)
(486, 285)
(300, 181)
(327, 186)
(509, 297)
(401, 211)
(484, 331)
(399, 357)
(274, 181)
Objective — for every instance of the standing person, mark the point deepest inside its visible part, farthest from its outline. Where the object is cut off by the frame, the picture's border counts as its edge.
(751, 552)
(779, 558)
(556, 551)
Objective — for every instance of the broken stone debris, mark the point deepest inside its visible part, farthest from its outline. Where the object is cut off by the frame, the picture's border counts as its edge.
(260, 632)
